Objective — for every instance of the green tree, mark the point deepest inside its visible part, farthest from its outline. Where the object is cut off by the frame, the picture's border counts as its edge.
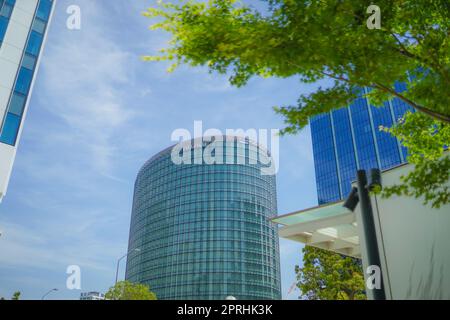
(16, 295)
(125, 290)
(319, 40)
(424, 138)
(329, 276)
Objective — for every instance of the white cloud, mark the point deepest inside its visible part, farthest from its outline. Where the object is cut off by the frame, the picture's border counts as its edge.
(84, 73)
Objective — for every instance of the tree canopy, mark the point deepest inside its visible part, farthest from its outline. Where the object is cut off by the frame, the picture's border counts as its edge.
(329, 276)
(424, 139)
(16, 295)
(317, 40)
(126, 290)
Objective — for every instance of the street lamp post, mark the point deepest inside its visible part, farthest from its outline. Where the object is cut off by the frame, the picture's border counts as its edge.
(361, 194)
(50, 291)
(118, 262)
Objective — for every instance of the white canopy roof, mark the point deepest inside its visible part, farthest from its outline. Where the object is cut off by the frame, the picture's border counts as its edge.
(330, 227)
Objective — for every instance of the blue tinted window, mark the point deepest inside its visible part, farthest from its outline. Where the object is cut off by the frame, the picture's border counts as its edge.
(45, 6)
(34, 43)
(387, 144)
(324, 159)
(17, 104)
(3, 26)
(38, 26)
(400, 86)
(6, 11)
(24, 81)
(399, 108)
(10, 129)
(363, 134)
(28, 62)
(345, 149)
(353, 144)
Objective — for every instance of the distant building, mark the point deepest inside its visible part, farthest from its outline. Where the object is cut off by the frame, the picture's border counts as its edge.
(204, 230)
(349, 139)
(92, 295)
(23, 29)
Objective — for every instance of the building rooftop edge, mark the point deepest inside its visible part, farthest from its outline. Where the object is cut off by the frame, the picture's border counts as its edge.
(235, 138)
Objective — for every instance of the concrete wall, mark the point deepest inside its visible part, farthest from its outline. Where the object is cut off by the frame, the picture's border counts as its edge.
(414, 243)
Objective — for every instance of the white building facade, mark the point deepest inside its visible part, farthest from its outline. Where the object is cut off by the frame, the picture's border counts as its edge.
(92, 295)
(23, 30)
(412, 239)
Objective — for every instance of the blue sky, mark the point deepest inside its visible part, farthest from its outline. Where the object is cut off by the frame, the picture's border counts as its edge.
(97, 113)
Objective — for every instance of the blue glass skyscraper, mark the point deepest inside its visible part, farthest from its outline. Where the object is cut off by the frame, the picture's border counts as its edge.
(349, 139)
(203, 230)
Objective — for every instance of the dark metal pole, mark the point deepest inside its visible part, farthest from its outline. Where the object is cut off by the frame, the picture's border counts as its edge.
(118, 262)
(117, 269)
(368, 224)
(50, 291)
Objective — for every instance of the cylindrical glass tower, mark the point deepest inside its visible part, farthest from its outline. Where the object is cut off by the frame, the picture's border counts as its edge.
(204, 230)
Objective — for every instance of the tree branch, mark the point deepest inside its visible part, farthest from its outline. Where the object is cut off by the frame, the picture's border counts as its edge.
(434, 114)
(404, 50)
(433, 64)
